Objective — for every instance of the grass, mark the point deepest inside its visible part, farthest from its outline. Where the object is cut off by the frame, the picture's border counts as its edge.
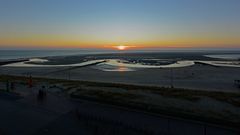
(108, 95)
(178, 93)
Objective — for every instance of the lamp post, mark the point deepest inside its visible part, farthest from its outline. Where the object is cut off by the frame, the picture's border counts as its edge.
(69, 73)
(171, 78)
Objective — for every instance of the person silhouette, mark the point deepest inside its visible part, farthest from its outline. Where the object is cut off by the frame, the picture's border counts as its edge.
(7, 85)
(12, 86)
(30, 82)
(41, 93)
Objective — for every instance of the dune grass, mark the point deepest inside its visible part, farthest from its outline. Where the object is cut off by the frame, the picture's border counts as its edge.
(105, 93)
(178, 93)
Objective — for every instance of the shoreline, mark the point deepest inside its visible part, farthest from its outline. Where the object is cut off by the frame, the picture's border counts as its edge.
(38, 62)
(6, 62)
(199, 76)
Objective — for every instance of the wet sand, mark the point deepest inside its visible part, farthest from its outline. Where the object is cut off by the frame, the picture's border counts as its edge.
(201, 77)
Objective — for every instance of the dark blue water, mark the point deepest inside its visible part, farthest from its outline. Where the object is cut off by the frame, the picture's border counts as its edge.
(18, 54)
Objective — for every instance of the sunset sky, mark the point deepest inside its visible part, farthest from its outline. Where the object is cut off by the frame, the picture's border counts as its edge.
(110, 23)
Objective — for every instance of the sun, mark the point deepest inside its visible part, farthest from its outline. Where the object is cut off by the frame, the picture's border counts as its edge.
(121, 47)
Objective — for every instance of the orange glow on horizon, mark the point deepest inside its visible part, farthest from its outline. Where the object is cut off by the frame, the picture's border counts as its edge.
(58, 42)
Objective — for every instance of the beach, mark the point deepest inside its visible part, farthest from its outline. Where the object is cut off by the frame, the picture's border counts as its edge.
(179, 89)
(198, 76)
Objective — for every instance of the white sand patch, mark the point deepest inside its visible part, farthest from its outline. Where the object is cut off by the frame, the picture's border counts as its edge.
(224, 56)
(222, 63)
(37, 60)
(179, 64)
(119, 63)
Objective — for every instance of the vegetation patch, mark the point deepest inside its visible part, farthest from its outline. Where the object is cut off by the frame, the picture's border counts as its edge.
(133, 96)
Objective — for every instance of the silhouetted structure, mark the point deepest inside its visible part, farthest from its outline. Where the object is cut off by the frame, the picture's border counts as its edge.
(42, 93)
(237, 83)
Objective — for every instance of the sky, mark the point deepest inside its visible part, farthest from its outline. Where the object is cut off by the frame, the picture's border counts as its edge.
(109, 23)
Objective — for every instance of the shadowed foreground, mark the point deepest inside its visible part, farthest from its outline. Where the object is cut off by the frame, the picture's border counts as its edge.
(59, 113)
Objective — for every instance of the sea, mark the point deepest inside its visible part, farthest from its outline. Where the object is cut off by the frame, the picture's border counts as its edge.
(21, 54)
